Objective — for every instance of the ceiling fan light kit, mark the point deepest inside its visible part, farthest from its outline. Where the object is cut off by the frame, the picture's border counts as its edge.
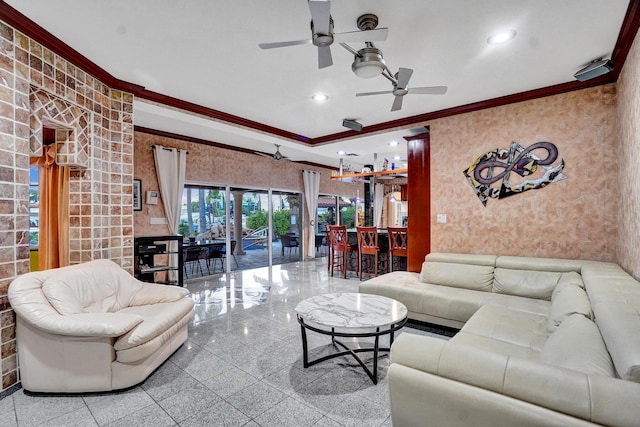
(368, 63)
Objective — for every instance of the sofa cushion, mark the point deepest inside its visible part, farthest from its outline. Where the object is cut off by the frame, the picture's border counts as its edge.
(569, 279)
(615, 301)
(528, 330)
(476, 277)
(104, 288)
(475, 343)
(577, 344)
(471, 259)
(454, 305)
(158, 318)
(540, 264)
(525, 283)
(566, 301)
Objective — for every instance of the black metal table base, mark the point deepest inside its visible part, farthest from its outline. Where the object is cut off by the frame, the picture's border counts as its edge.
(373, 374)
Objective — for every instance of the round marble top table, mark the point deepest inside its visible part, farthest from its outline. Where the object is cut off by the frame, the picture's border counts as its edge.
(351, 311)
(352, 315)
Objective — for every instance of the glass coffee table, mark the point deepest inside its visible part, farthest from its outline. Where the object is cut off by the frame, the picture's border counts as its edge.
(351, 315)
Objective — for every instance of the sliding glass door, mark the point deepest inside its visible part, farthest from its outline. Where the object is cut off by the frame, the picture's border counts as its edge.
(232, 228)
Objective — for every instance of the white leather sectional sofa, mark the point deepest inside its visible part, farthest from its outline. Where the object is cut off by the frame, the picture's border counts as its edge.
(94, 327)
(543, 342)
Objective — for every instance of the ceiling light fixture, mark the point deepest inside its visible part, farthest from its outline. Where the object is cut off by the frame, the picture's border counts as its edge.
(501, 36)
(341, 153)
(319, 97)
(396, 157)
(393, 143)
(368, 63)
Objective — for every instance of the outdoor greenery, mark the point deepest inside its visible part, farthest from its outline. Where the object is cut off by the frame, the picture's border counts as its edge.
(183, 228)
(281, 221)
(348, 214)
(210, 205)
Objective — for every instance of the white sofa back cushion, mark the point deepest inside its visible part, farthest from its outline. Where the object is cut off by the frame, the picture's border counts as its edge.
(567, 300)
(569, 279)
(525, 283)
(476, 277)
(615, 301)
(577, 344)
(104, 289)
(473, 259)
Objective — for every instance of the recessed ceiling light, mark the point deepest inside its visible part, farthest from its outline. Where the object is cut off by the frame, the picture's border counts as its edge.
(393, 143)
(396, 157)
(319, 97)
(501, 36)
(341, 153)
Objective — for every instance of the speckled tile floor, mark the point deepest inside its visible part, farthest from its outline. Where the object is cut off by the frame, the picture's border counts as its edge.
(242, 366)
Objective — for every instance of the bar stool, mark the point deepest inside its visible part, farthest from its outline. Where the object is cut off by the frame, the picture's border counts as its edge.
(368, 248)
(341, 249)
(329, 247)
(398, 246)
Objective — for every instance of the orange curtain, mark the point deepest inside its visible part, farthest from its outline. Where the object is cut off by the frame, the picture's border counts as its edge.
(54, 210)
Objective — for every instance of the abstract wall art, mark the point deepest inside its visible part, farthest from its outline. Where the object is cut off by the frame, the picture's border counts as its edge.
(501, 172)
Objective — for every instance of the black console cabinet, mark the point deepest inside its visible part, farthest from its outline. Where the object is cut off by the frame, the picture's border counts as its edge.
(151, 256)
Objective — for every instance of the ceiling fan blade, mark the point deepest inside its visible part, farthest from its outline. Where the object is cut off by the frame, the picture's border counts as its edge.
(324, 57)
(377, 35)
(320, 11)
(349, 48)
(397, 103)
(283, 44)
(404, 74)
(382, 92)
(428, 90)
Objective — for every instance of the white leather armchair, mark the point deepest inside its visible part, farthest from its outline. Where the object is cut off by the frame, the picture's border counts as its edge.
(94, 327)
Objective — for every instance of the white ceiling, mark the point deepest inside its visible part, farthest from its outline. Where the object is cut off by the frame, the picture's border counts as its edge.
(206, 52)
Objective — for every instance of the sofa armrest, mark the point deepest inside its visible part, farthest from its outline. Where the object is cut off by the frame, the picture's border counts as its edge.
(150, 294)
(87, 324)
(594, 398)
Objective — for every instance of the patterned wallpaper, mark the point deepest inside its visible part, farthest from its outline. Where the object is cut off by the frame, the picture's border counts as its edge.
(218, 166)
(573, 218)
(628, 209)
(37, 85)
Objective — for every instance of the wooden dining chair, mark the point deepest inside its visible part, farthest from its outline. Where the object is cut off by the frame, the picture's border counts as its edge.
(398, 247)
(371, 254)
(342, 252)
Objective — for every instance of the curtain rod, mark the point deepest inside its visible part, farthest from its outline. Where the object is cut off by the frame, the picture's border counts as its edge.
(307, 170)
(165, 148)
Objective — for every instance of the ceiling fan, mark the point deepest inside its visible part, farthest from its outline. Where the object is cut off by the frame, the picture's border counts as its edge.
(400, 80)
(322, 34)
(368, 62)
(275, 156)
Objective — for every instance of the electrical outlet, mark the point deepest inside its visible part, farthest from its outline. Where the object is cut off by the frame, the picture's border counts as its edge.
(441, 218)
